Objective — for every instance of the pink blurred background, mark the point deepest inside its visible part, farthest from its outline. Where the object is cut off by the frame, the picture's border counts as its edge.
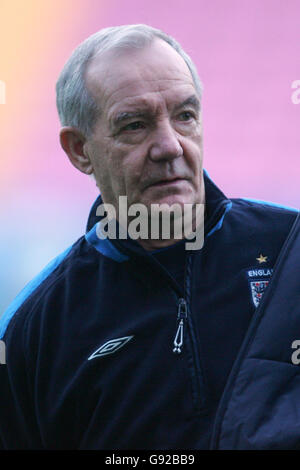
(247, 54)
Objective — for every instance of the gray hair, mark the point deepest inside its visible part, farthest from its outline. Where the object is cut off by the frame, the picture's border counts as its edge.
(76, 107)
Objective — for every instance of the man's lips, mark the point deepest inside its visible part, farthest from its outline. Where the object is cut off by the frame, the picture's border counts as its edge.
(166, 182)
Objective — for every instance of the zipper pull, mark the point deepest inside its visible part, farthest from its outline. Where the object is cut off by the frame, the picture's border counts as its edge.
(181, 316)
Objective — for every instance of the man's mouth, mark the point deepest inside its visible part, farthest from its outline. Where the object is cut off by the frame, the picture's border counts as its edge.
(166, 182)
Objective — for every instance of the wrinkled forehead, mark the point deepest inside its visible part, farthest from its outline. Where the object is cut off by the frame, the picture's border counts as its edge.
(117, 75)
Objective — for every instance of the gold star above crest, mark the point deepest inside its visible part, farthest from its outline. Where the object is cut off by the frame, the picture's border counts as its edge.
(262, 259)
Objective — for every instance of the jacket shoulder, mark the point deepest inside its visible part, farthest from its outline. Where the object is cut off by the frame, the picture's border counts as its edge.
(263, 213)
(269, 220)
(37, 288)
(264, 206)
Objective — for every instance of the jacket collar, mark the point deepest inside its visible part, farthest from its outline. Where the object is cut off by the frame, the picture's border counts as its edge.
(217, 205)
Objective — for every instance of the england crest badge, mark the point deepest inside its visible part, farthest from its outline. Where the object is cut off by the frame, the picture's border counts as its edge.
(258, 287)
(258, 279)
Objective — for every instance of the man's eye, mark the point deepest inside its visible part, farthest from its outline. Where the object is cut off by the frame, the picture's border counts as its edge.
(185, 116)
(133, 126)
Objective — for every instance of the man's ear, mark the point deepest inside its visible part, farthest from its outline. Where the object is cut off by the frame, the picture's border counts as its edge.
(73, 143)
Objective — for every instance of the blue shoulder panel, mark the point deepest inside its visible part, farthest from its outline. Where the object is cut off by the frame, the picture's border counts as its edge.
(272, 204)
(29, 289)
(220, 223)
(103, 245)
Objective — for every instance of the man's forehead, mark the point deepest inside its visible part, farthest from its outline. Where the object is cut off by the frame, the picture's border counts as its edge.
(116, 75)
(153, 95)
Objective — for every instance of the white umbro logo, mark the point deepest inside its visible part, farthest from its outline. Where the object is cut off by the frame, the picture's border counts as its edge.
(110, 347)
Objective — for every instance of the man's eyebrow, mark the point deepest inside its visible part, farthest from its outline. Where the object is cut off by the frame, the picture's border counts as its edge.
(191, 100)
(124, 116)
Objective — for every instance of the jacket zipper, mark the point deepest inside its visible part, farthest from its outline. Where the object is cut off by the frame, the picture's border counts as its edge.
(191, 348)
(179, 342)
(185, 320)
(181, 317)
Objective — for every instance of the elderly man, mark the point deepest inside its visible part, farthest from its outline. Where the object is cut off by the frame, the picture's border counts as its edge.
(124, 343)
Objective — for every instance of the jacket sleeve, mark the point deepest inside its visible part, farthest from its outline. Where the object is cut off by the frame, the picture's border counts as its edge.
(18, 423)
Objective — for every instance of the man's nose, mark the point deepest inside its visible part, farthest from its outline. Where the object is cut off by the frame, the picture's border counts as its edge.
(165, 143)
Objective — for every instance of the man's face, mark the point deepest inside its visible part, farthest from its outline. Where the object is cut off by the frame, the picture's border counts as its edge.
(147, 143)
